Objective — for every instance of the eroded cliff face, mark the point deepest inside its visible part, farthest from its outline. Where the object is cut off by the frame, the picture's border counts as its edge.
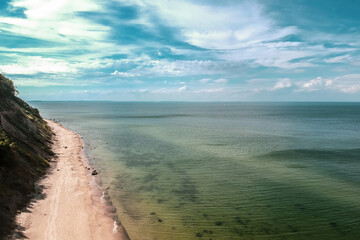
(25, 141)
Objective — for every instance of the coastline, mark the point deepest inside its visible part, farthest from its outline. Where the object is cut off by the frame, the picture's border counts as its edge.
(71, 204)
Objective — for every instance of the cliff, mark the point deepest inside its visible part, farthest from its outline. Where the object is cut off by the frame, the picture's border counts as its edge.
(25, 141)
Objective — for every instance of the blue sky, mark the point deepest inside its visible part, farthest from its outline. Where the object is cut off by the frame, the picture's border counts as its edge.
(204, 50)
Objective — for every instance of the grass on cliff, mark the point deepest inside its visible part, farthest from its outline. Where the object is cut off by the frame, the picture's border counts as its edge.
(25, 148)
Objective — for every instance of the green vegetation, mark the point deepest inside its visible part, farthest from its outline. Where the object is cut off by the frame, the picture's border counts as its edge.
(7, 87)
(25, 141)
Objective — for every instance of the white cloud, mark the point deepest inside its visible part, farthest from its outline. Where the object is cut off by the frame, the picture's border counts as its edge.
(286, 55)
(165, 90)
(37, 64)
(211, 90)
(127, 81)
(282, 83)
(183, 88)
(123, 74)
(55, 20)
(63, 27)
(59, 22)
(337, 59)
(312, 85)
(221, 80)
(53, 9)
(335, 38)
(217, 81)
(80, 91)
(144, 66)
(347, 84)
(37, 83)
(143, 90)
(162, 90)
(242, 31)
(266, 54)
(219, 26)
(351, 89)
(204, 80)
(58, 79)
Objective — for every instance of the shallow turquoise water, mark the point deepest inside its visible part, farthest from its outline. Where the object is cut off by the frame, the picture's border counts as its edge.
(225, 170)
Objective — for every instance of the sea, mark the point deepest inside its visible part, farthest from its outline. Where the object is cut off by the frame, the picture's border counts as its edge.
(181, 170)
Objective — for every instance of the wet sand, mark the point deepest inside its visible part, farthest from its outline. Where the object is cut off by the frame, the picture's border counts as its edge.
(71, 205)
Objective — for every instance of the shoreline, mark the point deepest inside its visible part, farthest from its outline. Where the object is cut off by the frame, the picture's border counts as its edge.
(70, 204)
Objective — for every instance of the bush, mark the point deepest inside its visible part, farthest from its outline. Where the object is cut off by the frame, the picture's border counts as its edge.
(7, 86)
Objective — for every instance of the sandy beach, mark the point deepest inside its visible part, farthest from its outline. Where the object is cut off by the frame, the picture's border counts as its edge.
(71, 204)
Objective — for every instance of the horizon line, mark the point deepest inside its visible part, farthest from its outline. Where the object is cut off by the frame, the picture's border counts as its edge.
(165, 101)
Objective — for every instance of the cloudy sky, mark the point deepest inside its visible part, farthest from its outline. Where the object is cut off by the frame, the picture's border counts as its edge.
(182, 50)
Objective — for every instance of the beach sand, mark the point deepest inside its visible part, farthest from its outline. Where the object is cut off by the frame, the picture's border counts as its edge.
(71, 205)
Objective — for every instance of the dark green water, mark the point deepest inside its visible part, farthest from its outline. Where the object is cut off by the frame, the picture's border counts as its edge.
(225, 170)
